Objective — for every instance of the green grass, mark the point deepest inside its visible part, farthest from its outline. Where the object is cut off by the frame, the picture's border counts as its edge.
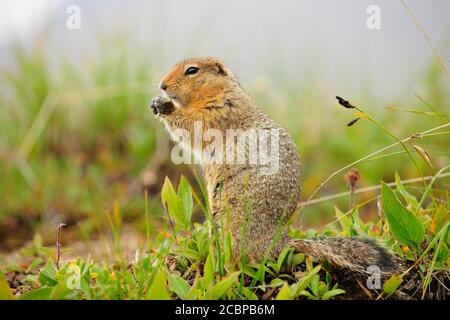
(79, 145)
(183, 263)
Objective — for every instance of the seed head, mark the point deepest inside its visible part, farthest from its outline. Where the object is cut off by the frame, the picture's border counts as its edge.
(352, 177)
(345, 103)
(353, 122)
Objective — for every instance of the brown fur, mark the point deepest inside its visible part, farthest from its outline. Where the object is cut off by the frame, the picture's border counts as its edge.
(215, 97)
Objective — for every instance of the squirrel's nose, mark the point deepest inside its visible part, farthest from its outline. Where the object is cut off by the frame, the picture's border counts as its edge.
(163, 86)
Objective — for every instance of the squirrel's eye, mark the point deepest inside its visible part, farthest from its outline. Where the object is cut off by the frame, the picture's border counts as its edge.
(191, 70)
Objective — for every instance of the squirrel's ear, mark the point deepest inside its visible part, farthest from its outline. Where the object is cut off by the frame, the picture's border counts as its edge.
(221, 70)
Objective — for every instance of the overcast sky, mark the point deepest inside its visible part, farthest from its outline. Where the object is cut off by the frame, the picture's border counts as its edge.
(327, 37)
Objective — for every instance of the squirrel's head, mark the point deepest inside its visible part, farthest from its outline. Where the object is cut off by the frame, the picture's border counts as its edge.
(198, 83)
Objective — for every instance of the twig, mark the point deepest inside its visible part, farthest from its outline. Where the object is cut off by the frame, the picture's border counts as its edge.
(58, 243)
(366, 189)
(417, 135)
(443, 116)
(427, 37)
(348, 105)
(352, 177)
(172, 225)
(440, 282)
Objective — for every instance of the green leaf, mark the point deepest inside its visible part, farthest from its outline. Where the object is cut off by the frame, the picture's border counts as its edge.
(33, 265)
(187, 253)
(332, 293)
(185, 192)
(307, 294)
(392, 284)
(158, 290)
(60, 291)
(173, 203)
(303, 283)
(314, 285)
(38, 294)
(84, 283)
(344, 221)
(222, 286)
(298, 259)
(357, 224)
(440, 219)
(409, 198)
(209, 269)
(323, 288)
(250, 295)
(429, 187)
(284, 293)
(404, 226)
(257, 274)
(5, 290)
(277, 282)
(48, 274)
(179, 286)
(283, 258)
(328, 279)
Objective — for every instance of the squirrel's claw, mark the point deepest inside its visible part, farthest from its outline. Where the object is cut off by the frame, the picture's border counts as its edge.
(162, 106)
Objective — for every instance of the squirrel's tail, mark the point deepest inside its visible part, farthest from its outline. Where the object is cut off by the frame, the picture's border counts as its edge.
(353, 254)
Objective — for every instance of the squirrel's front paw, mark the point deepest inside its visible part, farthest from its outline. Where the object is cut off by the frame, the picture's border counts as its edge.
(161, 105)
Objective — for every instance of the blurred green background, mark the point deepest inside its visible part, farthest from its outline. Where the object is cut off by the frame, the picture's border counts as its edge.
(77, 136)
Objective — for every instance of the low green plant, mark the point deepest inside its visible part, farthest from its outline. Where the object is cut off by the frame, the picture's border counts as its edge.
(186, 266)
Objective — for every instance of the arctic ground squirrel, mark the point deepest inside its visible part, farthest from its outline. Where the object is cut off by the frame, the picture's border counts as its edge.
(254, 205)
